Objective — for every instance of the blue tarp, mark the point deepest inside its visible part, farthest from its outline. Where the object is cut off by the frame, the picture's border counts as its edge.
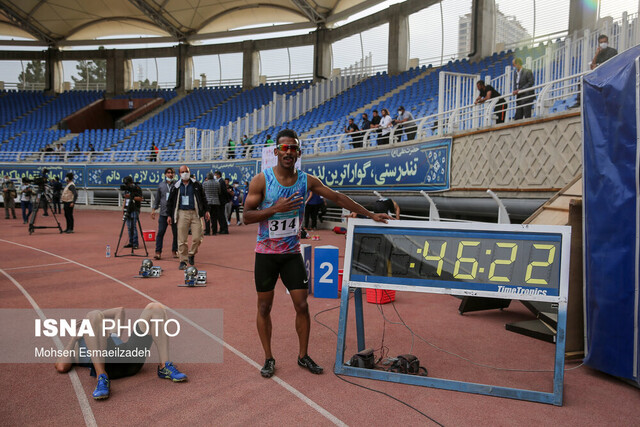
(611, 216)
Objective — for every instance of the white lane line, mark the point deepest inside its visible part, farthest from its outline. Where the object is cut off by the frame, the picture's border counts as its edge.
(36, 266)
(328, 415)
(87, 413)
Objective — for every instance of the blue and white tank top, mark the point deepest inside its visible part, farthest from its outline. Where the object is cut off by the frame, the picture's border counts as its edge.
(280, 233)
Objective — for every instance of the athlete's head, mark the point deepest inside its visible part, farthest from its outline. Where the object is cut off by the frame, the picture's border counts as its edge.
(287, 148)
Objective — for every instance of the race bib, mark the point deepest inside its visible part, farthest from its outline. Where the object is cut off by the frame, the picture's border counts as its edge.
(284, 227)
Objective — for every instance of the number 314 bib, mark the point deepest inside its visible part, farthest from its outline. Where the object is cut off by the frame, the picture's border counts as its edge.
(284, 225)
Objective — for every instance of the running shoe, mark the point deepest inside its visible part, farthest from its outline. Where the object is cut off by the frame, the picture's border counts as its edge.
(169, 371)
(269, 368)
(307, 362)
(102, 388)
(182, 265)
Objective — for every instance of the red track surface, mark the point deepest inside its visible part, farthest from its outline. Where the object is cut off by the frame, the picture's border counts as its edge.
(233, 392)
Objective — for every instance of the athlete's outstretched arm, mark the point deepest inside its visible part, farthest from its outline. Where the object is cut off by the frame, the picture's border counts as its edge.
(257, 189)
(315, 185)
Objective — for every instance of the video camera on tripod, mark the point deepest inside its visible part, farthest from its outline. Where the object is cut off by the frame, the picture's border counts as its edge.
(43, 195)
(130, 190)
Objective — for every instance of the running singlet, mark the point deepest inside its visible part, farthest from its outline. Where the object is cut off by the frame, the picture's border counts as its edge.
(280, 233)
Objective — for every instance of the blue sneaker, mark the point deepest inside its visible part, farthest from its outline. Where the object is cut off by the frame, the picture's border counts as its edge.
(169, 371)
(102, 388)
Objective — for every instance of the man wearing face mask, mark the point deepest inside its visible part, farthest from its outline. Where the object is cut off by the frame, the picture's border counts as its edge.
(409, 129)
(604, 52)
(187, 205)
(160, 202)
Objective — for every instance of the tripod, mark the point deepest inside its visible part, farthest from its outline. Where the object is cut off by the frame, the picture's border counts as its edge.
(42, 197)
(141, 236)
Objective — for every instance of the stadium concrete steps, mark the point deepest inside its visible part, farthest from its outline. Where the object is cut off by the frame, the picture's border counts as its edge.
(158, 110)
(372, 103)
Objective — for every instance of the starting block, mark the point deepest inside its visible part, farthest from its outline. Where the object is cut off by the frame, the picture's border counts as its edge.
(147, 269)
(194, 278)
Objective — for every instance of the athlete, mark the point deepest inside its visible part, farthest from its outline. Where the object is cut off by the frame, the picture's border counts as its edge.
(276, 200)
(118, 367)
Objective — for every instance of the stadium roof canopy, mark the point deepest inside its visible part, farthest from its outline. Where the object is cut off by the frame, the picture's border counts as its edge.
(78, 22)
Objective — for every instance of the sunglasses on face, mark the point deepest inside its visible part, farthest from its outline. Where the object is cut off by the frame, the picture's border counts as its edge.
(287, 147)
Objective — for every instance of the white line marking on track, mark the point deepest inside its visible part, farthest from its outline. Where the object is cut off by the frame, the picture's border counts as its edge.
(328, 415)
(87, 413)
(36, 266)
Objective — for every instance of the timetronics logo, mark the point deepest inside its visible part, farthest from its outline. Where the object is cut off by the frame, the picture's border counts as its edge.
(521, 291)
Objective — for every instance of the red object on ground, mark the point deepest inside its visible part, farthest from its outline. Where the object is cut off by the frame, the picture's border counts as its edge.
(149, 235)
(380, 296)
(340, 273)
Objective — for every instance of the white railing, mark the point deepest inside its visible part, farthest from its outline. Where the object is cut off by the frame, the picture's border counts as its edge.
(461, 119)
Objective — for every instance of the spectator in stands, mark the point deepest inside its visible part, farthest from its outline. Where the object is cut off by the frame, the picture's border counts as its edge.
(59, 151)
(223, 196)
(153, 154)
(353, 130)
(130, 103)
(9, 194)
(76, 149)
(488, 92)
(269, 141)
(366, 124)
(26, 191)
(56, 187)
(375, 123)
(524, 98)
(409, 129)
(434, 127)
(248, 146)
(211, 188)
(385, 125)
(160, 203)
(231, 149)
(91, 149)
(603, 52)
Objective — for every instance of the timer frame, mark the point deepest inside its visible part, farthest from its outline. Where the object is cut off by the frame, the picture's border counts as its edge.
(439, 287)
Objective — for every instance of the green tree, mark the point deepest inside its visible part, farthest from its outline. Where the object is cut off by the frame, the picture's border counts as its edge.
(90, 72)
(33, 74)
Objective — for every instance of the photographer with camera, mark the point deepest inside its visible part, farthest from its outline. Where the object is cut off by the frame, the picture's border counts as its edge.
(132, 194)
(69, 197)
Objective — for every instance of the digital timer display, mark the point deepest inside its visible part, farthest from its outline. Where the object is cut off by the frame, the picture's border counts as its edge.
(515, 264)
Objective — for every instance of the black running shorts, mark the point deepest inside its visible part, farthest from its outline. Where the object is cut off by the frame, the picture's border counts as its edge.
(289, 267)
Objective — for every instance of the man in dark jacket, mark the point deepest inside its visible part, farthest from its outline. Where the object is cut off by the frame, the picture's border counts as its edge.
(187, 205)
(524, 98)
(161, 203)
